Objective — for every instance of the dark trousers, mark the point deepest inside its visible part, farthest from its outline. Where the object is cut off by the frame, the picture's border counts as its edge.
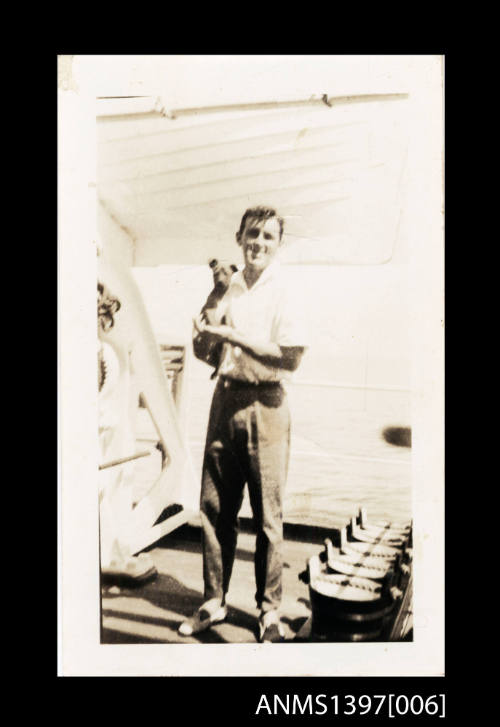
(248, 442)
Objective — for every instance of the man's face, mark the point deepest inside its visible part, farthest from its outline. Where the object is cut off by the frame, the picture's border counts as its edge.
(260, 241)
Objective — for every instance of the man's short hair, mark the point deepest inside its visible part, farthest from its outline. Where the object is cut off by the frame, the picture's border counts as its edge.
(260, 213)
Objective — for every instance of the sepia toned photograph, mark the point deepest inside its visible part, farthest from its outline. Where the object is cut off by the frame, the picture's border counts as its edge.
(251, 408)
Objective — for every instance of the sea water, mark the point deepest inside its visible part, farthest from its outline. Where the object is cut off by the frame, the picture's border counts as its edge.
(339, 458)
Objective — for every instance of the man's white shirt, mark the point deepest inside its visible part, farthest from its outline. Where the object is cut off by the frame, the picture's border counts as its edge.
(269, 312)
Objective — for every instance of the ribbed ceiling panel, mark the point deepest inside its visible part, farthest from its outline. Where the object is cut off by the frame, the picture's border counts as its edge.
(335, 173)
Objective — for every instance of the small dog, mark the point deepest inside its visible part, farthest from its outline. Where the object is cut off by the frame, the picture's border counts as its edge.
(222, 276)
(211, 314)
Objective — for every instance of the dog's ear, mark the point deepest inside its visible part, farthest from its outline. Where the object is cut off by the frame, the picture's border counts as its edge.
(213, 262)
(234, 268)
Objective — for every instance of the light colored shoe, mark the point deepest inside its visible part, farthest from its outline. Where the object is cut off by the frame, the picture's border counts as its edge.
(209, 613)
(270, 628)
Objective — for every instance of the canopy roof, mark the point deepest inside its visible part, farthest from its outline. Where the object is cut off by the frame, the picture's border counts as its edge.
(178, 168)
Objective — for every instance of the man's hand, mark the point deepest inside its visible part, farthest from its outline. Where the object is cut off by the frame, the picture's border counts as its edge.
(220, 333)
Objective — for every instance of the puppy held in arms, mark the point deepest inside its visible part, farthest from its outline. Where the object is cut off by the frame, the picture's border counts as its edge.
(212, 314)
(222, 275)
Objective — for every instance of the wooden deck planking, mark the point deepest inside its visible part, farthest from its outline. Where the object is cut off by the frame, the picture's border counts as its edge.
(153, 613)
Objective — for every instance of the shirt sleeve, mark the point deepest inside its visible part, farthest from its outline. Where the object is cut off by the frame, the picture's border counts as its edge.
(292, 320)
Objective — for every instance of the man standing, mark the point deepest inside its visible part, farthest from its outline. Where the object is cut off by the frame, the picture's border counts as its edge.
(248, 434)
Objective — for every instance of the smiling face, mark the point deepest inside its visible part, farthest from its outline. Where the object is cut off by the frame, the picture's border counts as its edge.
(260, 240)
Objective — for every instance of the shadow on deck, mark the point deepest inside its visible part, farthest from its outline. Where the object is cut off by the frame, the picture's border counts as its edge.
(152, 613)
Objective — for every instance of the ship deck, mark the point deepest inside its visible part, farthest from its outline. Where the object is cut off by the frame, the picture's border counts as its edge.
(152, 613)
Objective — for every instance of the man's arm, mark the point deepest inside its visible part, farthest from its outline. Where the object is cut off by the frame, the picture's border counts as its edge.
(271, 354)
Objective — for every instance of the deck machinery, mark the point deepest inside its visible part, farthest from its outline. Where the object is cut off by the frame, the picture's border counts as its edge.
(360, 584)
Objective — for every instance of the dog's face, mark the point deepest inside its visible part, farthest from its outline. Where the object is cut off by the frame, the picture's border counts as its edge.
(222, 274)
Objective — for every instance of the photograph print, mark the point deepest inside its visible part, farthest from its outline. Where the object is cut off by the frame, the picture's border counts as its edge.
(264, 237)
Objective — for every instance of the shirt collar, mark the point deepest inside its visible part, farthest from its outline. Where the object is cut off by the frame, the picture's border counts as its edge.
(270, 272)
